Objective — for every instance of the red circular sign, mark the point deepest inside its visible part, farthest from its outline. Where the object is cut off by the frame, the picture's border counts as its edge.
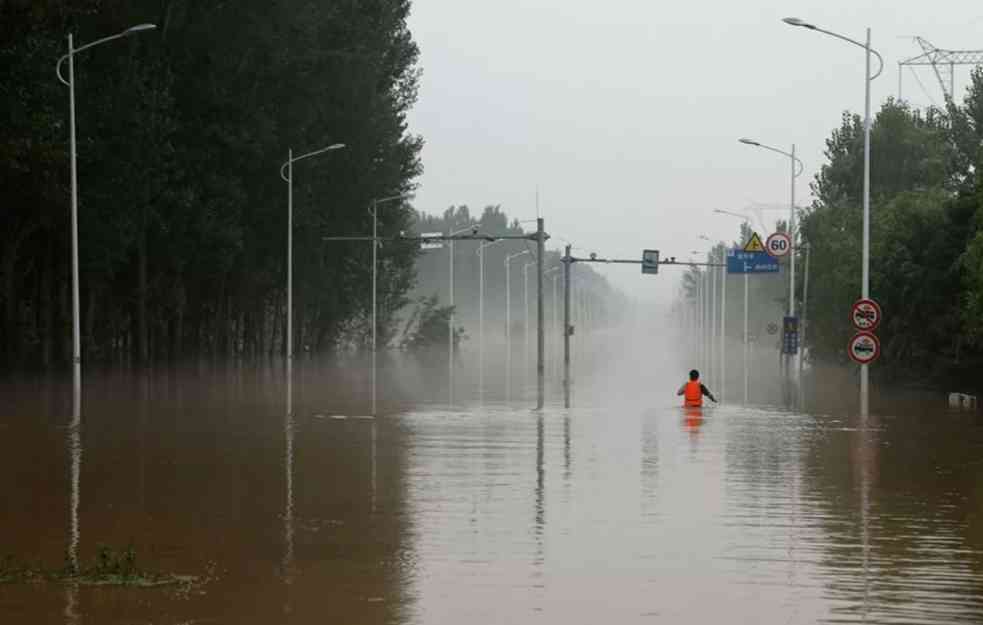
(864, 348)
(865, 315)
(778, 244)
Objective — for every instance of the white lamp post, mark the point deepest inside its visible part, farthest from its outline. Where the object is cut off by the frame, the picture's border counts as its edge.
(450, 317)
(525, 322)
(287, 174)
(70, 83)
(374, 211)
(865, 270)
(508, 321)
(797, 168)
(481, 317)
(746, 300)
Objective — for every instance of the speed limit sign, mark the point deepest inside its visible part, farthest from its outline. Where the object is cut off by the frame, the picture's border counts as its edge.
(778, 244)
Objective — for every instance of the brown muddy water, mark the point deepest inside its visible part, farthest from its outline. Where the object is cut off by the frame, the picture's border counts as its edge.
(623, 509)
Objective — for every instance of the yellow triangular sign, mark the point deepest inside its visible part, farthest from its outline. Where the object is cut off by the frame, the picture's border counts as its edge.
(754, 244)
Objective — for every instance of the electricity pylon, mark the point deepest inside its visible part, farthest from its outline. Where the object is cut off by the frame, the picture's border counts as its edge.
(943, 63)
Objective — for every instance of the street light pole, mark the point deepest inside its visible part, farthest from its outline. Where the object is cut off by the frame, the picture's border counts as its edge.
(73, 165)
(746, 221)
(723, 324)
(481, 319)
(796, 168)
(374, 209)
(540, 337)
(508, 322)
(566, 327)
(865, 263)
(525, 307)
(287, 174)
(450, 317)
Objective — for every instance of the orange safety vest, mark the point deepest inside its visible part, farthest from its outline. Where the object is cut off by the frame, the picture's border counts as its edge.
(693, 394)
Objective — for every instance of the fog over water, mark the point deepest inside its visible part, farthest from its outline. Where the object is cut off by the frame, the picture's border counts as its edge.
(623, 507)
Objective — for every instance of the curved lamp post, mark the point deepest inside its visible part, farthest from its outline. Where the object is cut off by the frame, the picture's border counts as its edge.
(450, 317)
(481, 317)
(70, 83)
(287, 174)
(797, 168)
(508, 321)
(374, 211)
(746, 221)
(865, 270)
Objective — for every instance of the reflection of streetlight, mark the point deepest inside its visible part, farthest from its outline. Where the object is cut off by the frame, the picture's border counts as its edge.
(70, 83)
(865, 270)
(374, 210)
(797, 168)
(287, 173)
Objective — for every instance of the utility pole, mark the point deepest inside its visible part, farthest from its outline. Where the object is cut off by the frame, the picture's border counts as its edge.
(450, 323)
(540, 338)
(723, 324)
(805, 309)
(567, 261)
(747, 339)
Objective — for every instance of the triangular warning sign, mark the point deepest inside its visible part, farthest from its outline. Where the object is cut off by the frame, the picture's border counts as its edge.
(754, 244)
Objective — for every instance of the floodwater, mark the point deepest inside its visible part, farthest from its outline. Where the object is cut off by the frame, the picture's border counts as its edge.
(623, 509)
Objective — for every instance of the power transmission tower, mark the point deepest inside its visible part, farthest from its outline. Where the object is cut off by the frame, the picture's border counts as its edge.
(943, 63)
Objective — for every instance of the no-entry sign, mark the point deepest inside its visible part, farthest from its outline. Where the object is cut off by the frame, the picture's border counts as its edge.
(865, 315)
(778, 244)
(864, 348)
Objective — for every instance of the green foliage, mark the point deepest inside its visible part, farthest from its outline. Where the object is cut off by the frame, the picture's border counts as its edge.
(426, 329)
(926, 247)
(109, 568)
(182, 214)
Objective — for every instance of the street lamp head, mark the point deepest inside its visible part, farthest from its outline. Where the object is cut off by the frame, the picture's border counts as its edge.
(336, 146)
(139, 28)
(794, 21)
(748, 141)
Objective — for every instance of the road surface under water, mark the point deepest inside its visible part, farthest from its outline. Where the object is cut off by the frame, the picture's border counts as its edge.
(623, 509)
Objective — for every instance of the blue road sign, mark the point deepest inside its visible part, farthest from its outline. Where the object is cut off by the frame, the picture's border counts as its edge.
(739, 261)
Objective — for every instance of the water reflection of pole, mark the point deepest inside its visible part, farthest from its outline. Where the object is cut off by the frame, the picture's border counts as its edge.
(865, 466)
(75, 449)
(288, 512)
(540, 482)
(372, 493)
(74, 533)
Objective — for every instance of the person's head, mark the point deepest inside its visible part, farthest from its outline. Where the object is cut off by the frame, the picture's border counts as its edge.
(694, 375)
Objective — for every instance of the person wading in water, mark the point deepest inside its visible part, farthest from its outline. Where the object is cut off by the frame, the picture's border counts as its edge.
(693, 391)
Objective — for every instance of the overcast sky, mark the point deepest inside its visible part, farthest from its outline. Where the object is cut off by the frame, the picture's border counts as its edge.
(626, 113)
